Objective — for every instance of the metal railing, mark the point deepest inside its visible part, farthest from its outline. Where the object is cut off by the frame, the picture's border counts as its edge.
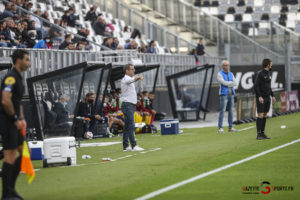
(46, 60)
(231, 43)
(279, 39)
(150, 29)
(171, 64)
(271, 35)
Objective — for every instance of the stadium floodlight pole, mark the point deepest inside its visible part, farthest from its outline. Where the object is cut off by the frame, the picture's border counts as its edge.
(56, 26)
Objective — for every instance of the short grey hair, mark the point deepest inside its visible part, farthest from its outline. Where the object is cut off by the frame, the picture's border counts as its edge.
(224, 61)
(127, 67)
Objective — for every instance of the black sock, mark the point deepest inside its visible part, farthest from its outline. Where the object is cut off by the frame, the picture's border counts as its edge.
(16, 171)
(7, 170)
(263, 125)
(259, 124)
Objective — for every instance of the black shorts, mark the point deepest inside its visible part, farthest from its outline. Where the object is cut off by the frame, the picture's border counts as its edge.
(11, 137)
(263, 107)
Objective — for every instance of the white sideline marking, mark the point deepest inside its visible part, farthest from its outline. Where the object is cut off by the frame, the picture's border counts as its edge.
(98, 144)
(142, 152)
(120, 158)
(200, 176)
(243, 129)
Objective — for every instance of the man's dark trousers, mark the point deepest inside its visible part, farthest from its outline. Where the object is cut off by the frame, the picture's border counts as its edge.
(128, 110)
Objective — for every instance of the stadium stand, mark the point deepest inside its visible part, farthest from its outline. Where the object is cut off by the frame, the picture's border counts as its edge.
(77, 17)
(254, 16)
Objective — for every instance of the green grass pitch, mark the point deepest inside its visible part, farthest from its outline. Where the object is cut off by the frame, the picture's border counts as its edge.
(180, 157)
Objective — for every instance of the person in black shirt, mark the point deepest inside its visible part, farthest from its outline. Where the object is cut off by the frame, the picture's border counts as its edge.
(92, 14)
(11, 118)
(263, 92)
(200, 48)
(86, 109)
(65, 43)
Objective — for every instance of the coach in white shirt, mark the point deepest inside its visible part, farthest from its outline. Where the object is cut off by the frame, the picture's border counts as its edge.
(129, 99)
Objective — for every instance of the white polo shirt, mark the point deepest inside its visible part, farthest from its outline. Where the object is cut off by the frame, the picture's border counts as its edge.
(128, 90)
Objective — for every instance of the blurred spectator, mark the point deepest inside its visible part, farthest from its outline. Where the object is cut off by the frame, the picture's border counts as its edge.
(194, 53)
(108, 42)
(71, 46)
(13, 9)
(27, 18)
(25, 32)
(126, 33)
(143, 48)
(100, 27)
(115, 44)
(86, 44)
(55, 32)
(69, 17)
(151, 48)
(92, 14)
(3, 41)
(61, 108)
(80, 46)
(109, 28)
(136, 33)
(65, 43)
(38, 24)
(8, 31)
(131, 45)
(19, 3)
(72, 17)
(32, 26)
(28, 6)
(200, 48)
(43, 43)
(31, 39)
(83, 32)
(45, 15)
(7, 11)
(64, 23)
(18, 31)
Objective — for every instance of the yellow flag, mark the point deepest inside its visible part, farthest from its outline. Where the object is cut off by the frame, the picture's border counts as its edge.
(26, 164)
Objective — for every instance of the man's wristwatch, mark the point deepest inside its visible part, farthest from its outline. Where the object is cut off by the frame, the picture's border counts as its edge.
(14, 117)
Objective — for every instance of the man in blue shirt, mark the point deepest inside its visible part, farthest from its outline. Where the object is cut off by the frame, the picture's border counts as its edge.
(227, 81)
(43, 43)
(151, 48)
(7, 11)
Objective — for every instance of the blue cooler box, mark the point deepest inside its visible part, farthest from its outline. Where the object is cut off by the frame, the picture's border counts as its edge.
(37, 151)
(169, 126)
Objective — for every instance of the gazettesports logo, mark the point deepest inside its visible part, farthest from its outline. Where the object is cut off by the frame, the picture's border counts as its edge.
(266, 188)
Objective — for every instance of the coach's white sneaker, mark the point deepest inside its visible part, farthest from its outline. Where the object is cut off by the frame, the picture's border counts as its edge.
(221, 130)
(232, 130)
(137, 148)
(127, 149)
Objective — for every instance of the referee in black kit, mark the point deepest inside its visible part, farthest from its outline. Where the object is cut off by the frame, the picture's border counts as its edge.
(263, 93)
(11, 116)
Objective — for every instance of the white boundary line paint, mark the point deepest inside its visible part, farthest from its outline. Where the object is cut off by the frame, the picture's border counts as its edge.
(113, 160)
(239, 130)
(200, 176)
(243, 129)
(98, 144)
